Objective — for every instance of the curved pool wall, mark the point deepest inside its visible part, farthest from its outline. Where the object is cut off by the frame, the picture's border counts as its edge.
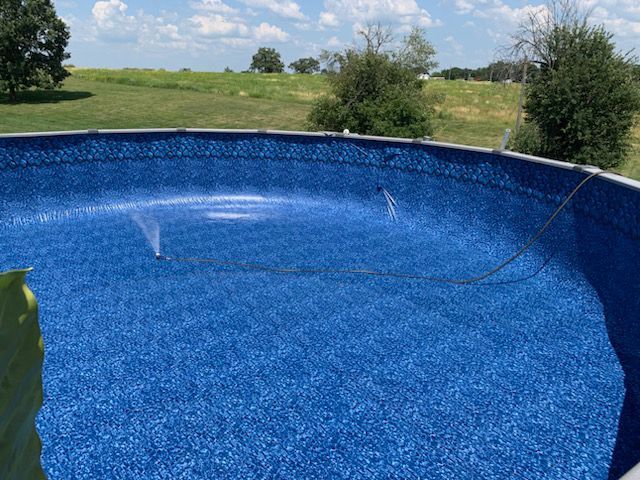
(476, 199)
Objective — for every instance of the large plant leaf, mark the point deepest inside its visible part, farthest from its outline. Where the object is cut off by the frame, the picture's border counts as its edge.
(21, 357)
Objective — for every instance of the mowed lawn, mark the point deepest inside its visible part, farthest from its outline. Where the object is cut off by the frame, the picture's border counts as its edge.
(471, 113)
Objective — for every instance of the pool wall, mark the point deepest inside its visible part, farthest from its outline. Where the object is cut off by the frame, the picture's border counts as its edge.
(615, 202)
(600, 231)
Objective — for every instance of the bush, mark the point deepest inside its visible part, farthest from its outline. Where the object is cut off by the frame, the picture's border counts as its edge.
(372, 94)
(584, 101)
(527, 140)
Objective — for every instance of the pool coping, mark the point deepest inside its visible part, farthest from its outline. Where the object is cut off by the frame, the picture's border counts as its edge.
(609, 176)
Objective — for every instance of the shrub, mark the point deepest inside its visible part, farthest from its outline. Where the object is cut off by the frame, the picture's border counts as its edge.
(372, 94)
(584, 100)
(527, 140)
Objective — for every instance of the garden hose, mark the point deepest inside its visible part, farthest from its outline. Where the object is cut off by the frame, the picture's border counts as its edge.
(401, 275)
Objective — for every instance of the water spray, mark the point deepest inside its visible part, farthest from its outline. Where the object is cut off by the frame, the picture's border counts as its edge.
(391, 203)
(409, 276)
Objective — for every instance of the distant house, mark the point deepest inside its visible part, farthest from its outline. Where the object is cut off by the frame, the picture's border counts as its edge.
(424, 76)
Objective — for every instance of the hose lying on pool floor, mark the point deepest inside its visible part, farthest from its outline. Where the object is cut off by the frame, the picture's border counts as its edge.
(411, 276)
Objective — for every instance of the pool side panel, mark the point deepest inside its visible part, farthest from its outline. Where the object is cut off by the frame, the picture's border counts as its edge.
(540, 179)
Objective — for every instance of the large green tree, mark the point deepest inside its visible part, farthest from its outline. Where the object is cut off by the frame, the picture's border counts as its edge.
(372, 92)
(33, 42)
(305, 65)
(267, 60)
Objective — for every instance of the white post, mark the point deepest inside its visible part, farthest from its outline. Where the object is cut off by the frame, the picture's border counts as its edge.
(505, 139)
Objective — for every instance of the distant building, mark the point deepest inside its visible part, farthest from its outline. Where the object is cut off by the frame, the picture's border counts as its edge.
(424, 76)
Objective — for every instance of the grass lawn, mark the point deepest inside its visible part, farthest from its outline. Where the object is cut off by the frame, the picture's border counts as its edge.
(468, 112)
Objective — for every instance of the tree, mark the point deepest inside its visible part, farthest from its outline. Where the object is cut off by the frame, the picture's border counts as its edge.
(267, 60)
(376, 36)
(371, 92)
(305, 65)
(584, 100)
(33, 42)
(417, 53)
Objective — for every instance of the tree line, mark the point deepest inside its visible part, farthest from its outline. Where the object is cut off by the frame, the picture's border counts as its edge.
(268, 60)
(499, 71)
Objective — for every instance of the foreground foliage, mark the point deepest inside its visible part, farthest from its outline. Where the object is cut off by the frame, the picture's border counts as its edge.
(21, 380)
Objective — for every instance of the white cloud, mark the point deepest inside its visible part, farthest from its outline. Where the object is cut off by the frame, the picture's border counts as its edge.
(329, 19)
(362, 11)
(218, 26)
(112, 15)
(463, 6)
(217, 6)
(269, 33)
(624, 27)
(283, 8)
(237, 42)
(303, 26)
(334, 42)
(496, 11)
(112, 23)
(631, 6)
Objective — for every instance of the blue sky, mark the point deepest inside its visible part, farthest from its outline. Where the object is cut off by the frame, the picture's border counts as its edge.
(211, 34)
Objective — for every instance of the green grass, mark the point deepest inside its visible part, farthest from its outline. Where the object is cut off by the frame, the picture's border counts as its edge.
(283, 87)
(83, 104)
(473, 113)
(468, 112)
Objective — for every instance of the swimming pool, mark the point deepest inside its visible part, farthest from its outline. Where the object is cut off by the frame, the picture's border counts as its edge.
(189, 370)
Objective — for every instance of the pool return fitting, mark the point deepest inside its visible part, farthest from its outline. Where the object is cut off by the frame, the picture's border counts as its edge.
(401, 275)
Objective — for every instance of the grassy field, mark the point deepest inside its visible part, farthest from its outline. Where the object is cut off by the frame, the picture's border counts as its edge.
(468, 113)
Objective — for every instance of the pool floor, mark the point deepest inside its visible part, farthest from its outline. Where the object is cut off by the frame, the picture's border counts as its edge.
(159, 370)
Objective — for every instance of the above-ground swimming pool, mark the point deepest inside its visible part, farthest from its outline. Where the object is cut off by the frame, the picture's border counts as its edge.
(160, 369)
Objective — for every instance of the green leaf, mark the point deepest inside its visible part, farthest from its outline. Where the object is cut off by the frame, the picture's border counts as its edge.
(21, 357)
